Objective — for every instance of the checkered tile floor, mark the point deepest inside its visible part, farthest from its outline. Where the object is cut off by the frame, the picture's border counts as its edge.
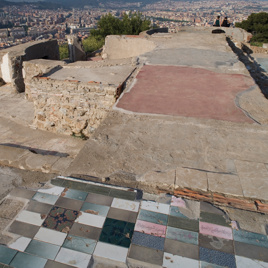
(76, 223)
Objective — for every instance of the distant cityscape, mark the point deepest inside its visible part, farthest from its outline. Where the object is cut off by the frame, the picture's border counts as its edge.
(20, 24)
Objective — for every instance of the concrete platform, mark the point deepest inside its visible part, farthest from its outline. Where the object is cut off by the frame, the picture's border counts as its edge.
(179, 128)
(185, 91)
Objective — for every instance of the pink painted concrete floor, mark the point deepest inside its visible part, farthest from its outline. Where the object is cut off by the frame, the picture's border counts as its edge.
(186, 91)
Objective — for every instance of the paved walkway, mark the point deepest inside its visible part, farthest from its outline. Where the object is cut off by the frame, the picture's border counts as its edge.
(74, 223)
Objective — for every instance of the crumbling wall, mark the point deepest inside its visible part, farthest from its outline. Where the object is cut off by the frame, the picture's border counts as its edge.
(11, 60)
(70, 107)
(122, 47)
(38, 67)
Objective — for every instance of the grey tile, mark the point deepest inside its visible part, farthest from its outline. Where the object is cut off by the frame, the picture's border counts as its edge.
(207, 207)
(251, 251)
(148, 241)
(23, 193)
(214, 218)
(144, 254)
(128, 195)
(38, 207)
(122, 215)
(182, 249)
(54, 264)
(23, 260)
(85, 231)
(69, 203)
(42, 249)
(99, 199)
(23, 229)
(185, 224)
(6, 254)
(216, 243)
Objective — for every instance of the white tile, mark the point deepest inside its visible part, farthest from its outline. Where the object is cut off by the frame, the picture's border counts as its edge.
(20, 244)
(56, 190)
(30, 217)
(91, 219)
(50, 236)
(46, 198)
(125, 204)
(155, 207)
(242, 262)
(174, 261)
(112, 252)
(73, 258)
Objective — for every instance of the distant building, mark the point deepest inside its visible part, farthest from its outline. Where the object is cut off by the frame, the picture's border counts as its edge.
(17, 32)
(3, 34)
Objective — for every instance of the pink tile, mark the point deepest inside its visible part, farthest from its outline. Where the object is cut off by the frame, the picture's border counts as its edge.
(178, 202)
(150, 228)
(215, 230)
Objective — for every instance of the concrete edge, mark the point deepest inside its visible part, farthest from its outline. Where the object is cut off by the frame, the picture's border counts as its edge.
(157, 187)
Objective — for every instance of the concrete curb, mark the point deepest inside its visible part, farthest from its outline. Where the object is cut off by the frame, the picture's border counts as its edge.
(25, 159)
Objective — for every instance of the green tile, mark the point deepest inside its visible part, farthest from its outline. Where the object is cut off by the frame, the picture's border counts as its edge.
(75, 185)
(80, 244)
(58, 182)
(182, 235)
(175, 211)
(214, 218)
(98, 189)
(74, 194)
(95, 209)
(24, 260)
(129, 195)
(251, 238)
(6, 254)
(185, 224)
(117, 232)
(153, 217)
(42, 249)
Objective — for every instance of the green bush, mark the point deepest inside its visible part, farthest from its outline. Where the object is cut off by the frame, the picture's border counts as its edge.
(257, 24)
(93, 43)
(64, 51)
(131, 24)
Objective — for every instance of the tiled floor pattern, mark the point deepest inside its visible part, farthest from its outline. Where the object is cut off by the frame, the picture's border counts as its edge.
(76, 222)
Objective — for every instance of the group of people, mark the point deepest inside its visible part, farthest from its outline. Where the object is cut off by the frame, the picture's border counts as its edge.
(219, 23)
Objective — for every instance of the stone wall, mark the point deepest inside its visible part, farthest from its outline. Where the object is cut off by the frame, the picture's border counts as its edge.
(11, 60)
(70, 107)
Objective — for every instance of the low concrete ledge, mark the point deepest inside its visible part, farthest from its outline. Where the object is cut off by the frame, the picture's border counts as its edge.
(25, 159)
(186, 185)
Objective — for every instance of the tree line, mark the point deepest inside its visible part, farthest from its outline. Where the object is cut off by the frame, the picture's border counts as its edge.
(257, 24)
